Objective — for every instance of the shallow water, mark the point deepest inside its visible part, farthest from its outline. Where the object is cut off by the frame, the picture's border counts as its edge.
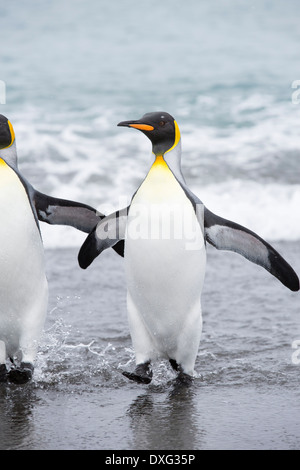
(245, 393)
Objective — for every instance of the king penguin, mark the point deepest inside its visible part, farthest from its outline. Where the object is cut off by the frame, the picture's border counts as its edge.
(23, 283)
(165, 229)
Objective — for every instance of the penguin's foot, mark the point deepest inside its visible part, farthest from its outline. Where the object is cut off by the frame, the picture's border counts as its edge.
(182, 378)
(22, 374)
(174, 364)
(142, 373)
(3, 373)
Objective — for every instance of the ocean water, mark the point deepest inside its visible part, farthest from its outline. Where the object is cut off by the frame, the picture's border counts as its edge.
(227, 71)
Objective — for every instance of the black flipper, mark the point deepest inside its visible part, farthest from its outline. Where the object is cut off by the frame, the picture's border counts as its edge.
(110, 232)
(226, 235)
(56, 211)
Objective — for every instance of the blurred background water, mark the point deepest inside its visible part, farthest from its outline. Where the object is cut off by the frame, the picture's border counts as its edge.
(225, 70)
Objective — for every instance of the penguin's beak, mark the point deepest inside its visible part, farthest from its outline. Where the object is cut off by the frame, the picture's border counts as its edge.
(137, 125)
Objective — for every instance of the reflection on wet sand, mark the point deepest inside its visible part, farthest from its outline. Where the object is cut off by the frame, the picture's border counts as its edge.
(172, 415)
(16, 423)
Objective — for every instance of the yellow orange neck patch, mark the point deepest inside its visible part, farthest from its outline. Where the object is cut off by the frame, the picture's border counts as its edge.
(177, 137)
(12, 135)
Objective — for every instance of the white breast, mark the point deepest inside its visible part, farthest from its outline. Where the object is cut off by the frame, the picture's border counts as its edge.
(23, 285)
(164, 253)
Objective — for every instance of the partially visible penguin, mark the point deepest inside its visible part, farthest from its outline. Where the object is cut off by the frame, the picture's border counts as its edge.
(23, 283)
(165, 229)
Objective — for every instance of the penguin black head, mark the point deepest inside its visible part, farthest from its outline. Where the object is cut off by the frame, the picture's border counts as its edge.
(7, 135)
(160, 127)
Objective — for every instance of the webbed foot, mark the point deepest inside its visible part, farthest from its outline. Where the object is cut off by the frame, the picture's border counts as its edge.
(22, 374)
(142, 373)
(182, 378)
(3, 373)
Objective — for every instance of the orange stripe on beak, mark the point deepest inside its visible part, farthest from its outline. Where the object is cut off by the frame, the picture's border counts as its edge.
(142, 127)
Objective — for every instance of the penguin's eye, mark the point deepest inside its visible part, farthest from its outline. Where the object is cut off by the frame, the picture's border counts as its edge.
(161, 123)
